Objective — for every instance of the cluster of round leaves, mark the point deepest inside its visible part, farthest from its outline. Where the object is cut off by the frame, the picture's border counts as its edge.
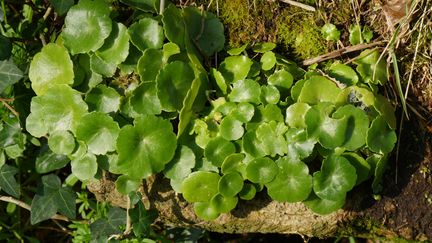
(106, 92)
(132, 100)
(303, 136)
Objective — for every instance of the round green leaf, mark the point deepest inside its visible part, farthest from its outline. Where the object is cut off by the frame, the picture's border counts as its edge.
(146, 33)
(261, 170)
(238, 50)
(323, 206)
(299, 145)
(235, 68)
(218, 149)
(212, 37)
(174, 25)
(116, 47)
(268, 60)
(223, 204)
(104, 99)
(99, 131)
(200, 186)
(246, 90)
(181, 165)
(61, 142)
(231, 128)
(371, 67)
(219, 79)
(272, 139)
(386, 110)
(292, 184)
(330, 32)
(126, 185)
(87, 25)
(380, 137)
(295, 115)
(206, 210)
(343, 73)
(336, 178)
(85, 167)
(357, 126)
(146, 147)
(282, 79)
(270, 94)
(356, 96)
(173, 84)
(144, 100)
(318, 89)
(269, 112)
(60, 108)
(263, 47)
(49, 67)
(330, 132)
(248, 192)
(296, 89)
(363, 168)
(100, 66)
(232, 163)
(230, 184)
(243, 112)
(150, 64)
(252, 146)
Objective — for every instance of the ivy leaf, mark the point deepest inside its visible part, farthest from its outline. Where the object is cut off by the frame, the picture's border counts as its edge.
(235, 68)
(12, 139)
(330, 32)
(318, 89)
(146, 33)
(173, 84)
(380, 138)
(48, 161)
(61, 6)
(217, 150)
(87, 25)
(245, 90)
(116, 47)
(84, 167)
(105, 227)
(142, 220)
(271, 136)
(200, 186)
(60, 108)
(5, 45)
(336, 178)
(144, 99)
(146, 147)
(103, 99)
(293, 182)
(357, 126)
(323, 206)
(99, 131)
(8, 182)
(343, 73)
(9, 74)
(49, 67)
(50, 198)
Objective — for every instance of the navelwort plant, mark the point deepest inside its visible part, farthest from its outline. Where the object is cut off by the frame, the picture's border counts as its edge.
(135, 99)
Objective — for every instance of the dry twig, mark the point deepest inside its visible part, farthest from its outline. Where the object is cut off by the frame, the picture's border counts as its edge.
(300, 5)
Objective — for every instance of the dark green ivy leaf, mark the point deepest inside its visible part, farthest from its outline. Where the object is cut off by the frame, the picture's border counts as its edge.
(8, 182)
(108, 226)
(50, 198)
(142, 219)
(9, 74)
